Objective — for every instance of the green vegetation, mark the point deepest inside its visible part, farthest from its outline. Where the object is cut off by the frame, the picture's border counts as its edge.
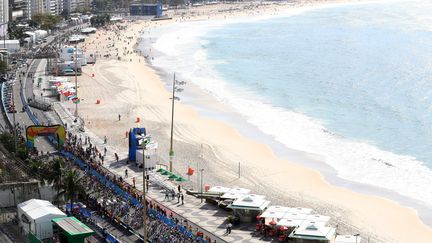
(8, 141)
(3, 67)
(46, 21)
(16, 32)
(71, 186)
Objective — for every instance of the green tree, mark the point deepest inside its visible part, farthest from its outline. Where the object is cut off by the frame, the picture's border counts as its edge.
(70, 186)
(46, 21)
(3, 67)
(16, 32)
(55, 173)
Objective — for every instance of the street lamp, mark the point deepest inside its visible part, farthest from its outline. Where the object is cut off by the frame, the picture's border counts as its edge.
(144, 193)
(173, 98)
(76, 82)
(356, 236)
(201, 184)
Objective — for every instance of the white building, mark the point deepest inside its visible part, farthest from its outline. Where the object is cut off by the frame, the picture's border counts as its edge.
(4, 13)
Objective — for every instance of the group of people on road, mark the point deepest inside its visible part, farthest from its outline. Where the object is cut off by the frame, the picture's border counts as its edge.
(162, 225)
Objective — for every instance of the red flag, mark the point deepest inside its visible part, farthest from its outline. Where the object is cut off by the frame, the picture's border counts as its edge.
(190, 171)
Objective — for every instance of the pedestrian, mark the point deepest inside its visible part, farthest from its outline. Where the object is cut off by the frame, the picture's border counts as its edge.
(116, 157)
(166, 195)
(105, 139)
(119, 116)
(178, 197)
(105, 151)
(133, 181)
(126, 173)
(179, 188)
(229, 227)
(182, 198)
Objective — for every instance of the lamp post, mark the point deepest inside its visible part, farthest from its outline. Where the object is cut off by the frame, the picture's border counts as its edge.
(201, 183)
(76, 82)
(173, 98)
(144, 194)
(356, 236)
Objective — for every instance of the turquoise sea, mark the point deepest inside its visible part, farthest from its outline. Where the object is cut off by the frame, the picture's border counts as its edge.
(350, 83)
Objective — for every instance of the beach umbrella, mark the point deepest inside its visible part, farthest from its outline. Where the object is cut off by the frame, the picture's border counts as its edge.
(161, 170)
(273, 222)
(282, 228)
(180, 179)
(166, 173)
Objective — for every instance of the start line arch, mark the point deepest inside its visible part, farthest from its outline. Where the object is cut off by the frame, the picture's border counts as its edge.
(58, 131)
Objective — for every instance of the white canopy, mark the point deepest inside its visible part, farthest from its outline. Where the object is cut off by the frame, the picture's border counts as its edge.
(273, 215)
(300, 210)
(313, 232)
(278, 209)
(235, 193)
(250, 202)
(318, 218)
(290, 222)
(295, 216)
(307, 223)
(347, 239)
(219, 189)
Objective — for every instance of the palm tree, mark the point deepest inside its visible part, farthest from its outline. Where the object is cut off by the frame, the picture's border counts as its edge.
(55, 173)
(71, 186)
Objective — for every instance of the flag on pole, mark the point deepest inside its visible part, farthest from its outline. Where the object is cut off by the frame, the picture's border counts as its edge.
(190, 171)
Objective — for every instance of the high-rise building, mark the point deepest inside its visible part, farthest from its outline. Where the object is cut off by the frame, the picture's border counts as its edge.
(4, 12)
(71, 6)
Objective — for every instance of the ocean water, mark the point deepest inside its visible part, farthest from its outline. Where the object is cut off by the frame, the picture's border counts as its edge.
(351, 84)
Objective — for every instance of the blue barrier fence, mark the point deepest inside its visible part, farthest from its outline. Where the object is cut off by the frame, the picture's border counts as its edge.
(120, 192)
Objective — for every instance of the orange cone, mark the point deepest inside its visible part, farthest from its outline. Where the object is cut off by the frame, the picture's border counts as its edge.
(97, 102)
(138, 120)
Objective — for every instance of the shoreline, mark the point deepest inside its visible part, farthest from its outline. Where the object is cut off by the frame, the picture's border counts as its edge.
(217, 110)
(186, 138)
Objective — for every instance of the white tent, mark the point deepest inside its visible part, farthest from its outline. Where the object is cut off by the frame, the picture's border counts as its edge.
(318, 218)
(250, 202)
(37, 215)
(219, 189)
(295, 216)
(347, 239)
(290, 222)
(235, 193)
(300, 210)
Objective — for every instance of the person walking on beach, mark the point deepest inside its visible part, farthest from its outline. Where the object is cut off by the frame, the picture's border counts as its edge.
(178, 197)
(116, 157)
(119, 116)
(105, 139)
(182, 198)
(126, 173)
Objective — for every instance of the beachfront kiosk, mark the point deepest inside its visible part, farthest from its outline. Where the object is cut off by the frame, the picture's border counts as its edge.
(249, 206)
(313, 234)
(71, 230)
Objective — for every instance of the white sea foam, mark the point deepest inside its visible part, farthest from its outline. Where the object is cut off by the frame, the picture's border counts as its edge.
(358, 161)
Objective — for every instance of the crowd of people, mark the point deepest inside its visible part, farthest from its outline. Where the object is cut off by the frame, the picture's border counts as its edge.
(111, 196)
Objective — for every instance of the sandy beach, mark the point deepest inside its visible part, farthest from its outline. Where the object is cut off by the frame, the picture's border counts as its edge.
(132, 88)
